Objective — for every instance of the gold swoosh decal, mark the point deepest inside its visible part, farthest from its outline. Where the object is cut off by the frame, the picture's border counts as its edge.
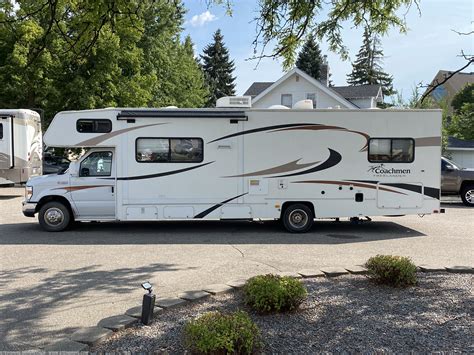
(96, 140)
(291, 166)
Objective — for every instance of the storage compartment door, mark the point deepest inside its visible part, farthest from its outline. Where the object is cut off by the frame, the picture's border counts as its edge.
(6, 142)
(399, 196)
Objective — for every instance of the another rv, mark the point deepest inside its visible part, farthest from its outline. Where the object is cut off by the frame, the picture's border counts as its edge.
(240, 163)
(20, 146)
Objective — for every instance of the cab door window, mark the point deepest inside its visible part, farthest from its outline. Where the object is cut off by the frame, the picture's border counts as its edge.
(97, 164)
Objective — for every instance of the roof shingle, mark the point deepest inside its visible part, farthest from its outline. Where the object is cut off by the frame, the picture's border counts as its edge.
(348, 92)
(459, 143)
(357, 92)
(257, 87)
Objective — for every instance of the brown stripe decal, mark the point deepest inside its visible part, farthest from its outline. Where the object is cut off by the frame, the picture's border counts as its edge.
(103, 137)
(77, 188)
(291, 166)
(347, 183)
(428, 142)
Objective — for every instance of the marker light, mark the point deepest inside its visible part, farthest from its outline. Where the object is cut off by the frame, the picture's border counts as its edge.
(28, 192)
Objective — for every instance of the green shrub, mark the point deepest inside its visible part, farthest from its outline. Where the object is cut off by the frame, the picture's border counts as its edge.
(397, 271)
(270, 293)
(220, 333)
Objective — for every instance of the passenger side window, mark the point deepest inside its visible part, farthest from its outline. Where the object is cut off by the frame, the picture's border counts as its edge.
(97, 164)
(169, 150)
(153, 150)
(93, 126)
(391, 150)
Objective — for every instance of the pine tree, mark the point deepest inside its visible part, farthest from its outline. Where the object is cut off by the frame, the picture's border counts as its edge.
(218, 69)
(367, 69)
(310, 59)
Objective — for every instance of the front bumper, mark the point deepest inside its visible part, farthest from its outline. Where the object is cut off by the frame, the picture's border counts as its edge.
(29, 208)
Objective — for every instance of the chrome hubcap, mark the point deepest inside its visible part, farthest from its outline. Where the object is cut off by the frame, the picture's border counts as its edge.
(298, 218)
(470, 196)
(53, 216)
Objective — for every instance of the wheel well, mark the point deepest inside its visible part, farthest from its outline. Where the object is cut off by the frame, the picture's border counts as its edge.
(466, 183)
(289, 203)
(57, 198)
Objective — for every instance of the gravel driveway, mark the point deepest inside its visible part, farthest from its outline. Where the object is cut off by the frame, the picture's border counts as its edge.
(347, 313)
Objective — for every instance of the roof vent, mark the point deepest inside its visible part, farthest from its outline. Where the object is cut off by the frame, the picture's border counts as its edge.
(278, 107)
(234, 101)
(303, 105)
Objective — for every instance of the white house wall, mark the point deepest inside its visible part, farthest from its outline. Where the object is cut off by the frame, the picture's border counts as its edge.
(298, 89)
(464, 158)
(362, 103)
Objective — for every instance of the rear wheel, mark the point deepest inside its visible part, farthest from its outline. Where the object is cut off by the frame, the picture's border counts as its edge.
(298, 218)
(467, 195)
(54, 217)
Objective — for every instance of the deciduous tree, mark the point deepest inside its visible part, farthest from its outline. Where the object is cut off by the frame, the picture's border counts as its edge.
(461, 122)
(286, 23)
(82, 54)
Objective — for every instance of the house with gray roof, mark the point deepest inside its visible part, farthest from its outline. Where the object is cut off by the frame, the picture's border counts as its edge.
(296, 85)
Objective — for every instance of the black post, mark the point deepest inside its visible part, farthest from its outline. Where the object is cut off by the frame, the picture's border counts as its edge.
(147, 308)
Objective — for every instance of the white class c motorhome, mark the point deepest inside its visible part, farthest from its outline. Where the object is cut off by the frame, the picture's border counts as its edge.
(240, 163)
(20, 146)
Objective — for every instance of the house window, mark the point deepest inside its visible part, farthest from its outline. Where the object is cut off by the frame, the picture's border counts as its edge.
(169, 150)
(93, 126)
(439, 93)
(312, 97)
(287, 100)
(391, 150)
(1, 130)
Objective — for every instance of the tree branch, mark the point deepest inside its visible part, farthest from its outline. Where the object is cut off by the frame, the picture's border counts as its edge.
(438, 83)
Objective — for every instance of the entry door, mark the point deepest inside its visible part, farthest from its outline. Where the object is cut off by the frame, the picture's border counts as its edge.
(6, 143)
(93, 190)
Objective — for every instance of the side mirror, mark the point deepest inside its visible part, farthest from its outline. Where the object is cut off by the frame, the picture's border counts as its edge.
(85, 172)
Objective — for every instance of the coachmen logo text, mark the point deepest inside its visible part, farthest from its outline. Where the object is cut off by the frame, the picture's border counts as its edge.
(386, 171)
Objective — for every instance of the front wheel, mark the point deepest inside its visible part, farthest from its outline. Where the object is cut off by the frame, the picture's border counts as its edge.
(298, 218)
(54, 217)
(467, 195)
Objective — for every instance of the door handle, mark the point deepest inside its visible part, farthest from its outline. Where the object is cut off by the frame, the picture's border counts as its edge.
(112, 189)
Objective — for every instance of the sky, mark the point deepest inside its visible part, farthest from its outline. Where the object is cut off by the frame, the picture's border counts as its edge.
(429, 45)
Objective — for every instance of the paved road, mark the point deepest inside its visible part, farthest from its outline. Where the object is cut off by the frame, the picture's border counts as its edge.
(51, 284)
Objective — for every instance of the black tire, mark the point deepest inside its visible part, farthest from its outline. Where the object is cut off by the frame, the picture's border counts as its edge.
(54, 216)
(467, 195)
(298, 218)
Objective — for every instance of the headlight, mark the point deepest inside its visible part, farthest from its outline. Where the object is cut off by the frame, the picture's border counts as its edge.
(28, 192)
